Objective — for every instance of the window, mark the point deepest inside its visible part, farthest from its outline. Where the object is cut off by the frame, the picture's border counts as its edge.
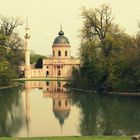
(53, 53)
(47, 73)
(39, 73)
(47, 67)
(66, 103)
(53, 103)
(59, 53)
(59, 72)
(59, 103)
(59, 84)
(47, 83)
(66, 53)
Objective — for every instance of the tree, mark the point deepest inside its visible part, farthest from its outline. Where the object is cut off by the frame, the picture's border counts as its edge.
(97, 33)
(10, 48)
(103, 45)
(9, 24)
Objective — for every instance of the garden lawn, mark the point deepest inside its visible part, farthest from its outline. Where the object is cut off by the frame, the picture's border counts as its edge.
(72, 138)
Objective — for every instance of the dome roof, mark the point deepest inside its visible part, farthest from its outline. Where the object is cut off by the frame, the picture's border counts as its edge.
(61, 39)
(61, 115)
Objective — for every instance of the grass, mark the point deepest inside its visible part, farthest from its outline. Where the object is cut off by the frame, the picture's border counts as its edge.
(72, 138)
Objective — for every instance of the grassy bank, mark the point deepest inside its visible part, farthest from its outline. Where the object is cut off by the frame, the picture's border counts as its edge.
(72, 138)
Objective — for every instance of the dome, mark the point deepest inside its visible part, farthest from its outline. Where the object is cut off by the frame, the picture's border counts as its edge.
(61, 115)
(61, 39)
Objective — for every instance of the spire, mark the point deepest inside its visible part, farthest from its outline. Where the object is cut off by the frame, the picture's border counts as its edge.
(27, 36)
(61, 27)
(61, 31)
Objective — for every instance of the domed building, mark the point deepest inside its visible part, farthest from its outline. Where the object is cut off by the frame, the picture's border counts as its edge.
(60, 64)
(61, 107)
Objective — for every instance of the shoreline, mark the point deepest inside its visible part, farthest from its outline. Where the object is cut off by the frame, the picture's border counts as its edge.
(110, 92)
(8, 87)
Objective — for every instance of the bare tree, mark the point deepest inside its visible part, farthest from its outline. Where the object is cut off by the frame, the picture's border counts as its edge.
(8, 24)
(97, 22)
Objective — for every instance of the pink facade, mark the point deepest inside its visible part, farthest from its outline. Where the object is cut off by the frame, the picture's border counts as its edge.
(60, 64)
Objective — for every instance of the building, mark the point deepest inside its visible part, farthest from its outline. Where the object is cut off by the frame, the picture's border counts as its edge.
(60, 64)
(61, 105)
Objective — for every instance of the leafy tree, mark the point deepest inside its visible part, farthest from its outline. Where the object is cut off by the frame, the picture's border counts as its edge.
(105, 52)
(36, 57)
(10, 49)
(99, 33)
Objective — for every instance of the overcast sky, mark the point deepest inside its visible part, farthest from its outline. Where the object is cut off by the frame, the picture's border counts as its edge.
(45, 17)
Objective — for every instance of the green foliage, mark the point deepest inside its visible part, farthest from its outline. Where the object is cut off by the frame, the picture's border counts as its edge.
(11, 111)
(72, 138)
(35, 57)
(110, 57)
(11, 53)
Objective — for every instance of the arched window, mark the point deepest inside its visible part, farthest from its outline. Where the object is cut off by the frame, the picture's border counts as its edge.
(47, 83)
(66, 53)
(66, 103)
(59, 103)
(59, 84)
(59, 72)
(53, 103)
(59, 53)
(53, 53)
(47, 73)
(39, 73)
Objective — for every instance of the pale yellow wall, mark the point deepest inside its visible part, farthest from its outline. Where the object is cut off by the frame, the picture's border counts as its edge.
(62, 48)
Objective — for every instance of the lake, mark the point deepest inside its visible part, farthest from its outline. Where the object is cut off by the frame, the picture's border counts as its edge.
(47, 108)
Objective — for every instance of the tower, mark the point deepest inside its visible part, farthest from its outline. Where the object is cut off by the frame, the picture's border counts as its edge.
(61, 46)
(27, 53)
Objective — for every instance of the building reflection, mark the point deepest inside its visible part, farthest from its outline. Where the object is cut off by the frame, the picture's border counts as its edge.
(61, 103)
(27, 104)
(51, 89)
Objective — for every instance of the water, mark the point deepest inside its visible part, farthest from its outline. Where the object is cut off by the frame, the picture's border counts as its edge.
(46, 108)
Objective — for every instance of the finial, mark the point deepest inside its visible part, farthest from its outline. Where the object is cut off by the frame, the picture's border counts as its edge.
(61, 31)
(27, 36)
(60, 26)
(27, 27)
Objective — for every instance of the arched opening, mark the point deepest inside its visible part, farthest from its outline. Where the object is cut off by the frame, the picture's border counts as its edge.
(53, 53)
(47, 73)
(39, 73)
(47, 83)
(34, 73)
(59, 73)
(59, 53)
(59, 103)
(66, 53)
(66, 103)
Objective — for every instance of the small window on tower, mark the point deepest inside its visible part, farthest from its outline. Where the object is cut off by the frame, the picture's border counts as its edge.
(66, 53)
(53, 53)
(59, 53)
(59, 72)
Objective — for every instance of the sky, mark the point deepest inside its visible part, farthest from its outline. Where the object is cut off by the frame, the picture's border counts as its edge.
(46, 16)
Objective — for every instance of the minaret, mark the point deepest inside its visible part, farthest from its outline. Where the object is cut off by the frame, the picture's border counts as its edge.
(27, 53)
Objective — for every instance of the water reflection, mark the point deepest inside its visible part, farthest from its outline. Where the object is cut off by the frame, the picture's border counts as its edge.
(11, 111)
(107, 115)
(61, 106)
(46, 108)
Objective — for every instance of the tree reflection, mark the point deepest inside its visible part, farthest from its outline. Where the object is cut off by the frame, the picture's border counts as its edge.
(11, 111)
(107, 114)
